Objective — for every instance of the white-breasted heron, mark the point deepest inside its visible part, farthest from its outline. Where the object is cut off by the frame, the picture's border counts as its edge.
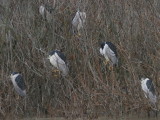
(58, 60)
(18, 83)
(78, 21)
(109, 51)
(149, 90)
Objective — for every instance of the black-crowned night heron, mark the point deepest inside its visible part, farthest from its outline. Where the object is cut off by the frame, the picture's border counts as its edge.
(46, 12)
(108, 50)
(149, 90)
(58, 60)
(18, 83)
(78, 21)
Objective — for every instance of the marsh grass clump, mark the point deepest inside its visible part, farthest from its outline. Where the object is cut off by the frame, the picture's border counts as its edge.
(91, 89)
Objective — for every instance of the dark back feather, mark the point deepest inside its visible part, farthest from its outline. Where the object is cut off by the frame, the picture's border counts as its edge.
(112, 47)
(20, 82)
(150, 86)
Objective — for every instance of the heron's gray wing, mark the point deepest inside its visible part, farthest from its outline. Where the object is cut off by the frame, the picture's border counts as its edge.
(61, 65)
(112, 47)
(20, 82)
(61, 55)
(150, 86)
(112, 56)
(75, 20)
(49, 8)
(110, 52)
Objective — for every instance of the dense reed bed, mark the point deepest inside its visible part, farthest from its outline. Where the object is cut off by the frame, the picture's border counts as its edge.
(91, 89)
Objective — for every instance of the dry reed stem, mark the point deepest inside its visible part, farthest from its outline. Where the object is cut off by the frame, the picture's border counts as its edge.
(90, 89)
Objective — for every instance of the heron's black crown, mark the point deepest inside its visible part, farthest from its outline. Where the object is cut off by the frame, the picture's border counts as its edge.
(102, 44)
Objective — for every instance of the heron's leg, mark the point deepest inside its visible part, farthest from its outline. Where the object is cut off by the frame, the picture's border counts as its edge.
(110, 67)
(148, 111)
(156, 113)
(78, 33)
(56, 72)
(106, 61)
(17, 98)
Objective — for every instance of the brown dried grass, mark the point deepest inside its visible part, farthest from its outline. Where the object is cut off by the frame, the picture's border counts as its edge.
(91, 89)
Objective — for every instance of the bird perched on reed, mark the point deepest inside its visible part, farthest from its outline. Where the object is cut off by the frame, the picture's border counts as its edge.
(149, 90)
(78, 21)
(108, 50)
(58, 60)
(46, 12)
(18, 83)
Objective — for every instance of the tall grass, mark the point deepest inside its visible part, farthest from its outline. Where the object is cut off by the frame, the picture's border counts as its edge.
(90, 89)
